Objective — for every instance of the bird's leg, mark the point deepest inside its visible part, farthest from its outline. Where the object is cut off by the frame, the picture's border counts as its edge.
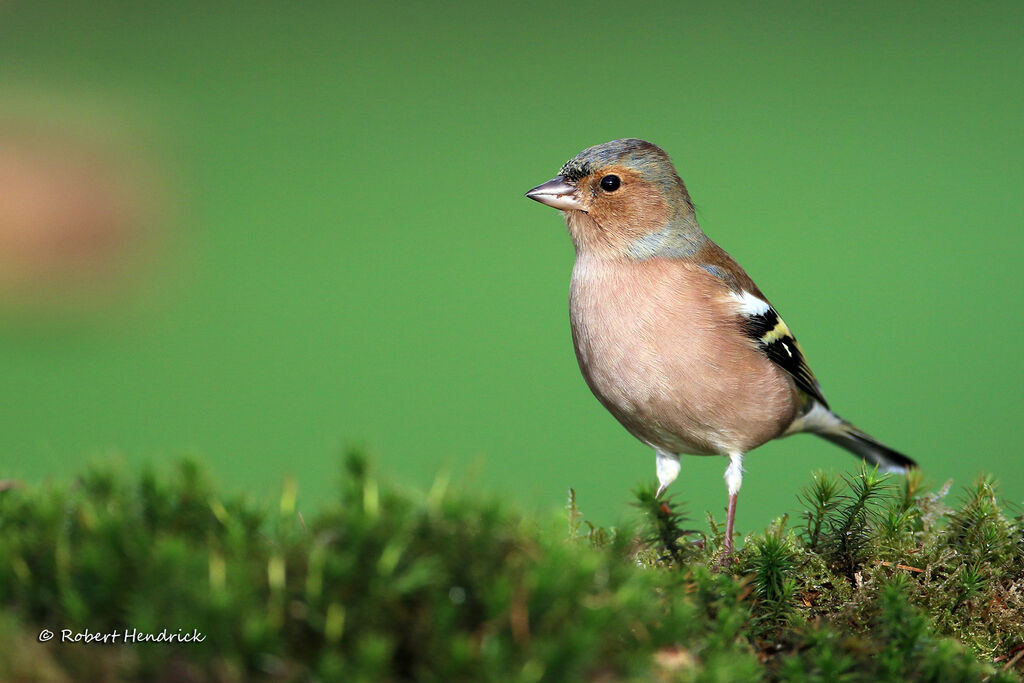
(668, 469)
(733, 480)
(729, 521)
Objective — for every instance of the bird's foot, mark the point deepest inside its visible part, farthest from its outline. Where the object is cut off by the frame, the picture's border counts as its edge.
(726, 560)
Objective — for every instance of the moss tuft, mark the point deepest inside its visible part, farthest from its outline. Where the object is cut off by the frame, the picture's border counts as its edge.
(877, 582)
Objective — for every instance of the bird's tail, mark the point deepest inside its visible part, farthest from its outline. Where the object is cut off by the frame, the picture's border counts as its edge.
(863, 445)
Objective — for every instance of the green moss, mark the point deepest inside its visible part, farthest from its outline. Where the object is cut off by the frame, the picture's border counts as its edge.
(879, 581)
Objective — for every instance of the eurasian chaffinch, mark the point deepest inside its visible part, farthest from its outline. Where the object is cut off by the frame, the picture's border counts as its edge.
(672, 336)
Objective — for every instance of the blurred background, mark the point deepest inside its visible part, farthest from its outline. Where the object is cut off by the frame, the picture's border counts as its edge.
(258, 233)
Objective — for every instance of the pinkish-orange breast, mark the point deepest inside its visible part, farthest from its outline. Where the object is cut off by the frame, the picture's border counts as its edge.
(661, 348)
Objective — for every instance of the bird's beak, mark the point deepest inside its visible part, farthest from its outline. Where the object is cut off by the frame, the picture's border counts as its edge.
(558, 193)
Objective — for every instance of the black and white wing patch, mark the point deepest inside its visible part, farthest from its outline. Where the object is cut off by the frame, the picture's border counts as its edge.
(763, 324)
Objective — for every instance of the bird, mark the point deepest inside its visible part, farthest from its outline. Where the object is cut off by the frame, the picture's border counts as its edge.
(671, 334)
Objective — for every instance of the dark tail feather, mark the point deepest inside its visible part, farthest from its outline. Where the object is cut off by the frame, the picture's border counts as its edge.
(863, 445)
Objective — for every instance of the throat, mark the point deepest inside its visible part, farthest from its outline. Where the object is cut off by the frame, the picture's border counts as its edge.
(623, 237)
(587, 234)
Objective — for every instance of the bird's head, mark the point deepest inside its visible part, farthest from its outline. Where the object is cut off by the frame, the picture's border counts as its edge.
(624, 197)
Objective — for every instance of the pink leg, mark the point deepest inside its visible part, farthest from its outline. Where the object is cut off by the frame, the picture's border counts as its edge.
(730, 519)
(733, 480)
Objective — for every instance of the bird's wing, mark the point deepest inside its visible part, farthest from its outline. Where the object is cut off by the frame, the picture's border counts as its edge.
(763, 324)
(759, 320)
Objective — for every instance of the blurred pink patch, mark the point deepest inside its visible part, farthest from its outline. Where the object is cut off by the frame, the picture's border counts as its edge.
(75, 215)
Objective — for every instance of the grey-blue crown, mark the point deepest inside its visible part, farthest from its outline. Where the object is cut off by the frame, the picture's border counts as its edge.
(638, 154)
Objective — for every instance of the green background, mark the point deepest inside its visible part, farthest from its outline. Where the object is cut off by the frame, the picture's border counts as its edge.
(357, 263)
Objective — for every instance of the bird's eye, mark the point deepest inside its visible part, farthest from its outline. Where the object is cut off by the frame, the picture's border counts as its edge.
(610, 183)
